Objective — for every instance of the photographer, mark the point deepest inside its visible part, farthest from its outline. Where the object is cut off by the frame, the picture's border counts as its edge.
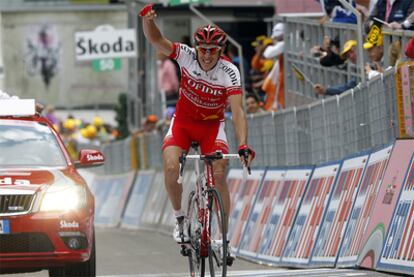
(328, 52)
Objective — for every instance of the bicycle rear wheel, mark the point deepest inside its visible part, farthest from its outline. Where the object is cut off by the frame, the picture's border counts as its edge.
(197, 264)
(217, 252)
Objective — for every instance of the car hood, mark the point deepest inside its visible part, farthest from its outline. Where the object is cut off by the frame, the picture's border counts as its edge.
(28, 181)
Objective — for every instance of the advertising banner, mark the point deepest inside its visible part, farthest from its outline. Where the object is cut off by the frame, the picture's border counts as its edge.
(333, 228)
(374, 236)
(243, 200)
(137, 199)
(111, 193)
(156, 201)
(260, 212)
(362, 210)
(310, 216)
(398, 252)
(277, 206)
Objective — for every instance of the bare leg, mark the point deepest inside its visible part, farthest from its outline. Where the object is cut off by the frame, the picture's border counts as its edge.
(220, 170)
(171, 156)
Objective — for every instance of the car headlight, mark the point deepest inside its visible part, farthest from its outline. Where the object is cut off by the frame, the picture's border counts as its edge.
(64, 198)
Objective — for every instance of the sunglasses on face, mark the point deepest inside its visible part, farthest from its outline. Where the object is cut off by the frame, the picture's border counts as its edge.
(210, 50)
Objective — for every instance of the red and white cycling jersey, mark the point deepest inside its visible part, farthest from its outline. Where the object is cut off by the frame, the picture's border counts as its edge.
(203, 95)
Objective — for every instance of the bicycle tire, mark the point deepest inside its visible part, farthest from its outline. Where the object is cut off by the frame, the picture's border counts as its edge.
(217, 251)
(196, 263)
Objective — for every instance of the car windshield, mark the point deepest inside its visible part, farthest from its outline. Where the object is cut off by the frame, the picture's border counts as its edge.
(26, 143)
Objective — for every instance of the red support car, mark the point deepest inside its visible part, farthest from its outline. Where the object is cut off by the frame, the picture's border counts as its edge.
(46, 207)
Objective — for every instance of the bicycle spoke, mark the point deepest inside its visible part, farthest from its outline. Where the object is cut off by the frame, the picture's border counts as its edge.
(218, 239)
(196, 263)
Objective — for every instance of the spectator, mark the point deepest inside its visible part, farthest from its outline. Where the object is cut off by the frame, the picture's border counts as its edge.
(350, 52)
(148, 126)
(407, 24)
(259, 65)
(168, 79)
(409, 48)
(374, 46)
(328, 52)
(253, 104)
(232, 53)
(273, 84)
(50, 115)
(335, 12)
(103, 135)
(395, 12)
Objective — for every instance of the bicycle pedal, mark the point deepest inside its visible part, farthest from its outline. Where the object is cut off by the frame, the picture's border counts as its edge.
(185, 251)
(230, 261)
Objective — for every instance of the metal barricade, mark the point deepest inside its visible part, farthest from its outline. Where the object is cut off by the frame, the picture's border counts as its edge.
(347, 122)
(332, 129)
(154, 147)
(304, 135)
(255, 137)
(301, 35)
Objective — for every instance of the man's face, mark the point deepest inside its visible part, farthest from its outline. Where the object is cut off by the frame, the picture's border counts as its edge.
(208, 55)
(352, 55)
(251, 105)
(375, 53)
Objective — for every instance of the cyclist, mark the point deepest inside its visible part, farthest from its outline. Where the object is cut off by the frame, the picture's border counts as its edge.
(209, 81)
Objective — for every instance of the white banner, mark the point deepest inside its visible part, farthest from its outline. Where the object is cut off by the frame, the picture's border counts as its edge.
(100, 44)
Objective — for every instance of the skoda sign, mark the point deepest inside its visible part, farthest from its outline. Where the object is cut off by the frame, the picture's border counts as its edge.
(105, 42)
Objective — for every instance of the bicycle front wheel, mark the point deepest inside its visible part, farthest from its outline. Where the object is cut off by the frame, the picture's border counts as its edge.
(217, 251)
(197, 264)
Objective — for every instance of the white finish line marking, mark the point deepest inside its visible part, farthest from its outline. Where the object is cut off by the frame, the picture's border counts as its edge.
(263, 273)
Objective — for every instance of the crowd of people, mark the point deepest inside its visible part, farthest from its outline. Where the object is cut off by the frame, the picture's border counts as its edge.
(264, 76)
(392, 14)
(75, 131)
(267, 71)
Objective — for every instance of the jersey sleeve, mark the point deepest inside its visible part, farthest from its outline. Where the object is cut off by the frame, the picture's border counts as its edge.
(233, 86)
(182, 53)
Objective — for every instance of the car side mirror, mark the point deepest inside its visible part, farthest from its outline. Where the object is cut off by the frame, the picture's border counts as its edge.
(90, 158)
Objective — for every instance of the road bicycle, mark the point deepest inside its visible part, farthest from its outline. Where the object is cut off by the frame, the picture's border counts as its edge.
(207, 221)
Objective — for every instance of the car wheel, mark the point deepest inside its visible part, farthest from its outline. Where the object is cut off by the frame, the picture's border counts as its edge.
(85, 269)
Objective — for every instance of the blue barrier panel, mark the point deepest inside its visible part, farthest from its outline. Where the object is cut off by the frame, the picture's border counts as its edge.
(361, 212)
(157, 199)
(111, 194)
(333, 228)
(311, 214)
(243, 195)
(137, 199)
(398, 252)
(276, 208)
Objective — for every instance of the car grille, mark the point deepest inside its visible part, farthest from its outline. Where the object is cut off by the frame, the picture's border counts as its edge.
(25, 242)
(15, 204)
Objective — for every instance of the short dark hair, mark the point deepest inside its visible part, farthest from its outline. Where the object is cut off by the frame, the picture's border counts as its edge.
(254, 96)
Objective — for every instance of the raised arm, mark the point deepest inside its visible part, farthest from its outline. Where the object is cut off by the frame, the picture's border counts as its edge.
(152, 33)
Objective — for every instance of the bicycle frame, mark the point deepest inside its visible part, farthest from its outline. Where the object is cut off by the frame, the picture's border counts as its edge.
(203, 190)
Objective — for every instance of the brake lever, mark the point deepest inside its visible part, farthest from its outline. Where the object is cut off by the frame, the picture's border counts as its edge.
(246, 158)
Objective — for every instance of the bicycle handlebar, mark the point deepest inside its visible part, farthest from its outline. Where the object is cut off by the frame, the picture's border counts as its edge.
(210, 157)
(204, 157)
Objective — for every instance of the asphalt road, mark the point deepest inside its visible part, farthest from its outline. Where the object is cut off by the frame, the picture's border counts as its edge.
(124, 253)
